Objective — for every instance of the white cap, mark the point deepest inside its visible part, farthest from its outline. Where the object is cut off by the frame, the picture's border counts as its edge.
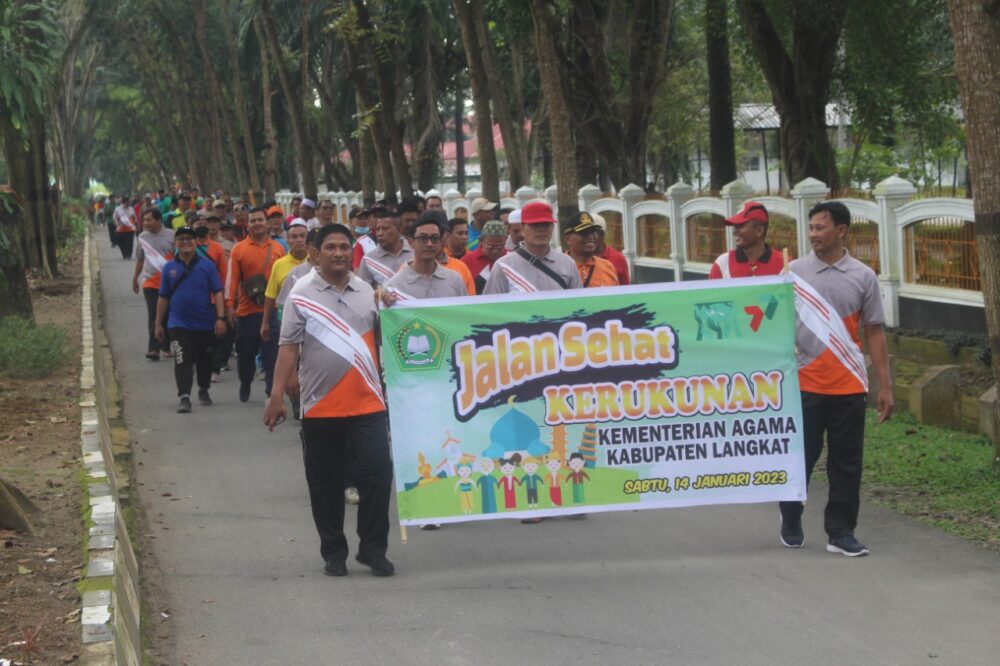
(514, 217)
(432, 193)
(297, 222)
(309, 203)
(599, 221)
(481, 203)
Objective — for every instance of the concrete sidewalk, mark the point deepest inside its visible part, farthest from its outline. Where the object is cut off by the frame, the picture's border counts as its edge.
(239, 557)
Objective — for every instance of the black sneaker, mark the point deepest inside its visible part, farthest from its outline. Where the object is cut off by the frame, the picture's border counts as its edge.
(847, 545)
(244, 392)
(791, 532)
(335, 568)
(185, 406)
(204, 398)
(380, 566)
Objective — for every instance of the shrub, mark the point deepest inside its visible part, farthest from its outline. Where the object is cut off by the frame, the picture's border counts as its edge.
(27, 350)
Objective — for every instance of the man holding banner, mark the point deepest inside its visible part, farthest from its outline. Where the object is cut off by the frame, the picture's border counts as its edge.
(533, 265)
(156, 247)
(836, 294)
(329, 320)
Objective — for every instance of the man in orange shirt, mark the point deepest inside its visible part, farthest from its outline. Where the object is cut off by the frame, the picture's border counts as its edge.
(581, 241)
(208, 248)
(329, 320)
(250, 265)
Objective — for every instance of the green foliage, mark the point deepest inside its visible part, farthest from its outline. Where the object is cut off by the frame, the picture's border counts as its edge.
(29, 350)
(27, 30)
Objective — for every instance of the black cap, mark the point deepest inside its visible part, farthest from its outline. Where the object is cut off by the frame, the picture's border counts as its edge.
(580, 223)
(184, 231)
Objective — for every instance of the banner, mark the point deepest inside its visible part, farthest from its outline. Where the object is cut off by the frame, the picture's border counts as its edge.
(612, 399)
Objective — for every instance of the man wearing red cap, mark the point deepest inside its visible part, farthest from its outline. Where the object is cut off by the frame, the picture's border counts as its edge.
(533, 265)
(752, 256)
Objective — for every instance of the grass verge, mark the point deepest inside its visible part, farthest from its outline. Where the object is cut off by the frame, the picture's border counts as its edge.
(30, 350)
(939, 476)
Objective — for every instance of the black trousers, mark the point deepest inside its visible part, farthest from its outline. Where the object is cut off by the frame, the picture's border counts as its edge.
(153, 345)
(328, 445)
(192, 354)
(125, 242)
(112, 234)
(842, 419)
(248, 343)
(223, 349)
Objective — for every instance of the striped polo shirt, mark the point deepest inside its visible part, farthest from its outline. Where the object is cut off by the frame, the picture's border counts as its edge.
(524, 276)
(333, 384)
(378, 265)
(851, 288)
(443, 283)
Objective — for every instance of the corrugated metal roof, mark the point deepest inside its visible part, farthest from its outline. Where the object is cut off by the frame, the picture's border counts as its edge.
(765, 117)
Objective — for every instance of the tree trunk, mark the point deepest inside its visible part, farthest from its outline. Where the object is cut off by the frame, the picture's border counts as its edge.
(489, 173)
(800, 81)
(221, 100)
(385, 81)
(370, 120)
(270, 139)
(459, 141)
(368, 170)
(511, 129)
(15, 509)
(563, 151)
(721, 133)
(27, 170)
(293, 101)
(425, 97)
(235, 77)
(15, 299)
(975, 28)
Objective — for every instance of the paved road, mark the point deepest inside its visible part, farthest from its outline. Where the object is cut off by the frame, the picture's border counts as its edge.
(239, 557)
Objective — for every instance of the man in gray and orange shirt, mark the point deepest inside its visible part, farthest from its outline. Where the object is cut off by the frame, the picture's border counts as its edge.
(329, 320)
(839, 297)
(253, 256)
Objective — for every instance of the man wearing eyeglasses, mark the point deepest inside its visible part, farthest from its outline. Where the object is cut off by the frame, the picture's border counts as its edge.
(423, 276)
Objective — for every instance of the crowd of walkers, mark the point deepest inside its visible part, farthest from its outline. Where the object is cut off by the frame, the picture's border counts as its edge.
(295, 295)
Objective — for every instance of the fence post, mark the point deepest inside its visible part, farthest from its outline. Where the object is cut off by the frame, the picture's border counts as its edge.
(891, 193)
(677, 195)
(630, 195)
(473, 193)
(450, 197)
(587, 195)
(806, 193)
(525, 194)
(552, 196)
(734, 194)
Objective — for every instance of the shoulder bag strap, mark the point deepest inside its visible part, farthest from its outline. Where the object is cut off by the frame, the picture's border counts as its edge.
(540, 265)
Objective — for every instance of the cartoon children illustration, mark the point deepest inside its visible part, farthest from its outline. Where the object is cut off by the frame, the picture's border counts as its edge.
(464, 487)
(555, 481)
(577, 476)
(509, 482)
(485, 483)
(530, 481)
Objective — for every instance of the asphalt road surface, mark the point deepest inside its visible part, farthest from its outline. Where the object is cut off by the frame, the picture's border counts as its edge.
(239, 557)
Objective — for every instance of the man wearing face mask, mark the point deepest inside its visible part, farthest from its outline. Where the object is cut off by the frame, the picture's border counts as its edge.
(364, 236)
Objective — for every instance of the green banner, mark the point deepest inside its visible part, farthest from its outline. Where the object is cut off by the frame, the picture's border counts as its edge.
(560, 403)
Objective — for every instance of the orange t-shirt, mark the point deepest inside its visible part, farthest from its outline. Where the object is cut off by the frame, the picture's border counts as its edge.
(246, 259)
